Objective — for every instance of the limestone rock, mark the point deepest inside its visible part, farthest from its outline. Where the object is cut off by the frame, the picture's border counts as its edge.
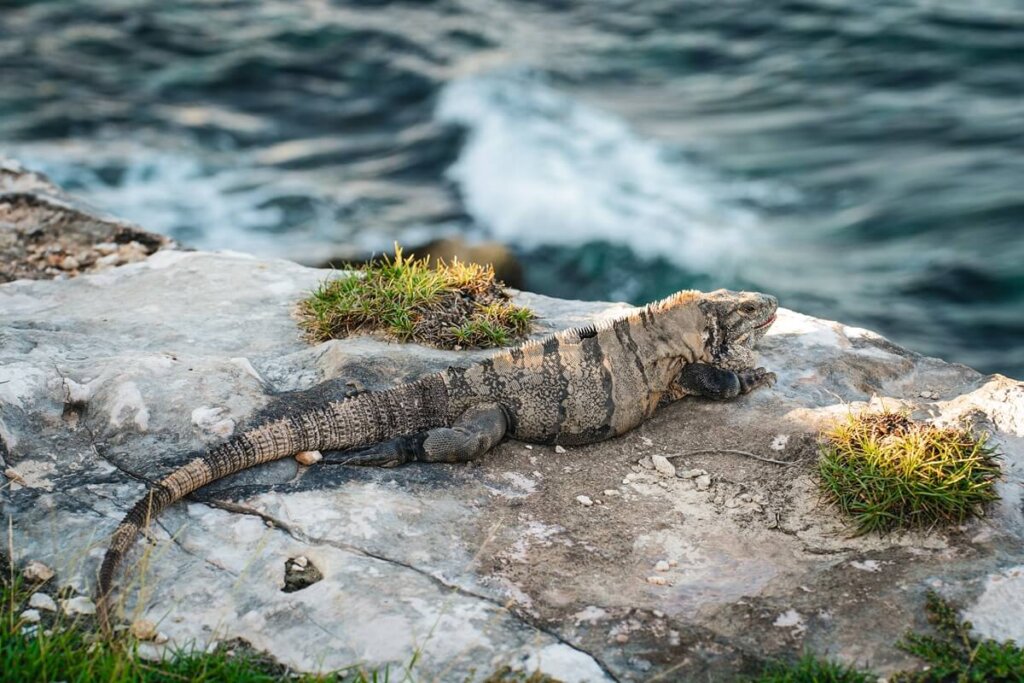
(663, 466)
(37, 572)
(98, 388)
(42, 601)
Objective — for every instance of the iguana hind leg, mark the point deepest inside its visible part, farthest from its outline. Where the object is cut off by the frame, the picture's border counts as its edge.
(706, 380)
(474, 433)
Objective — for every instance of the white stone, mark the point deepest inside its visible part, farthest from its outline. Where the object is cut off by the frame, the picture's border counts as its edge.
(37, 572)
(585, 501)
(691, 474)
(30, 616)
(657, 580)
(661, 566)
(42, 601)
(663, 466)
(703, 482)
(559, 449)
(78, 605)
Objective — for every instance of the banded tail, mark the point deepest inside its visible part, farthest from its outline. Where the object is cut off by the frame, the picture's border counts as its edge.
(362, 420)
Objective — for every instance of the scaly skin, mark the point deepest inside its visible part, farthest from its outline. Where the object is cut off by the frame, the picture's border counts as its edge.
(578, 386)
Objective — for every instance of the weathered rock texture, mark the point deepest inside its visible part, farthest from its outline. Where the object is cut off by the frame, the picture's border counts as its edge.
(110, 379)
(45, 234)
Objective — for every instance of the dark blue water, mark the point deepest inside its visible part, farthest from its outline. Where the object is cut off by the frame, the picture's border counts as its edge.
(863, 161)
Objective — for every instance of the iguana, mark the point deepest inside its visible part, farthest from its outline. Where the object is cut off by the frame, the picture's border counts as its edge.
(577, 386)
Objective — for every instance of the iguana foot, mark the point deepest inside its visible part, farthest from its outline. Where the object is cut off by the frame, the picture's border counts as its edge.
(702, 379)
(476, 431)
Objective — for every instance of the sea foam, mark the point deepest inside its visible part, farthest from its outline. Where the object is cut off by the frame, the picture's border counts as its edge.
(541, 168)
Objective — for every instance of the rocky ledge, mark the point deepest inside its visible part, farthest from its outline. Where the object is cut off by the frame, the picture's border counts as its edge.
(598, 563)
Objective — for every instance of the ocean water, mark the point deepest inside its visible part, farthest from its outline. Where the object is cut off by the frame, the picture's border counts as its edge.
(862, 161)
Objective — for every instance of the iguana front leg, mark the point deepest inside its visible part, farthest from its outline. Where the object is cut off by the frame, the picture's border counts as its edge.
(702, 379)
(474, 433)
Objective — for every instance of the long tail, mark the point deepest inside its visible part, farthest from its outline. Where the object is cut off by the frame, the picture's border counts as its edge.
(362, 420)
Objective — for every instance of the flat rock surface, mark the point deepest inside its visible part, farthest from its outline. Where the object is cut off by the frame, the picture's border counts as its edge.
(111, 379)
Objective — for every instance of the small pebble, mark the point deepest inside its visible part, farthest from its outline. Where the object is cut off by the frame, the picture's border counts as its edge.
(661, 566)
(611, 493)
(584, 501)
(691, 474)
(657, 580)
(42, 601)
(143, 629)
(621, 638)
(658, 614)
(309, 457)
(673, 563)
(37, 572)
(559, 449)
(13, 475)
(70, 263)
(300, 561)
(663, 466)
(160, 638)
(30, 616)
(646, 441)
(703, 482)
(529, 447)
(926, 394)
(79, 605)
(646, 462)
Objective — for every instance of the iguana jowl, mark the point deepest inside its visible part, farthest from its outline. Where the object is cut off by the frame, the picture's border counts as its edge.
(578, 386)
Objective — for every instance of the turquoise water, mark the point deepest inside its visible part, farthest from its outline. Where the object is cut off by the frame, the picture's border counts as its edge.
(862, 161)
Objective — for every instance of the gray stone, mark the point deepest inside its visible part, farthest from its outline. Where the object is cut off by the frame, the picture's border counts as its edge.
(42, 601)
(473, 567)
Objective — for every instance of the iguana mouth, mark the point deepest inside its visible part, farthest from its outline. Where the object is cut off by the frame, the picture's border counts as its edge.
(766, 323)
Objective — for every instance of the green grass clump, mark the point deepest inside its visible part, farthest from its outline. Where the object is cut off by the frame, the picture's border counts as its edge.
(60, 648)
(954, 655)
(810, 669)
(451, 305)
(890, 472)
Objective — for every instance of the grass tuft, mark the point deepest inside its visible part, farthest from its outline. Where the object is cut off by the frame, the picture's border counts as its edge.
(952, 654)
(810, 669)
(890, 472)
(451, 305)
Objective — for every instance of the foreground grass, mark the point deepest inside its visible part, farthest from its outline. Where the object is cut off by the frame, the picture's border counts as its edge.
(448, 306)
(950, 655)
(888, 472)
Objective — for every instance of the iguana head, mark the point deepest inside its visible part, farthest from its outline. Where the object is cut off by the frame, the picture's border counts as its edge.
(735, 321)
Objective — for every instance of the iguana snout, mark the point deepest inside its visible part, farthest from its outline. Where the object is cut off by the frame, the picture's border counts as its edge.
(736, 322)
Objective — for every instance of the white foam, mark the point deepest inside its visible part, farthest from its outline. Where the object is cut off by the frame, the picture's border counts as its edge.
(173, 192)
(540, 168)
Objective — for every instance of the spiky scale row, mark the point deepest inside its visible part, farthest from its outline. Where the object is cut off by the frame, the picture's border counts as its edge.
(578, 386)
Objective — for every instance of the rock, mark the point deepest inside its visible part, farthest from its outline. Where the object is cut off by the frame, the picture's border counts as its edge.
(559, 449)
(401, 548)
(42, 601)
(661, 566)
(309, 457)
(160, 638)
(300, 573)
(45, 233)
(691, 474)
(37, 572)
(143, 629)
(611, 493)
(30, 616)
(78, 605)
(703, 482)
(663, 466)
(657, 580)
(585, 501)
